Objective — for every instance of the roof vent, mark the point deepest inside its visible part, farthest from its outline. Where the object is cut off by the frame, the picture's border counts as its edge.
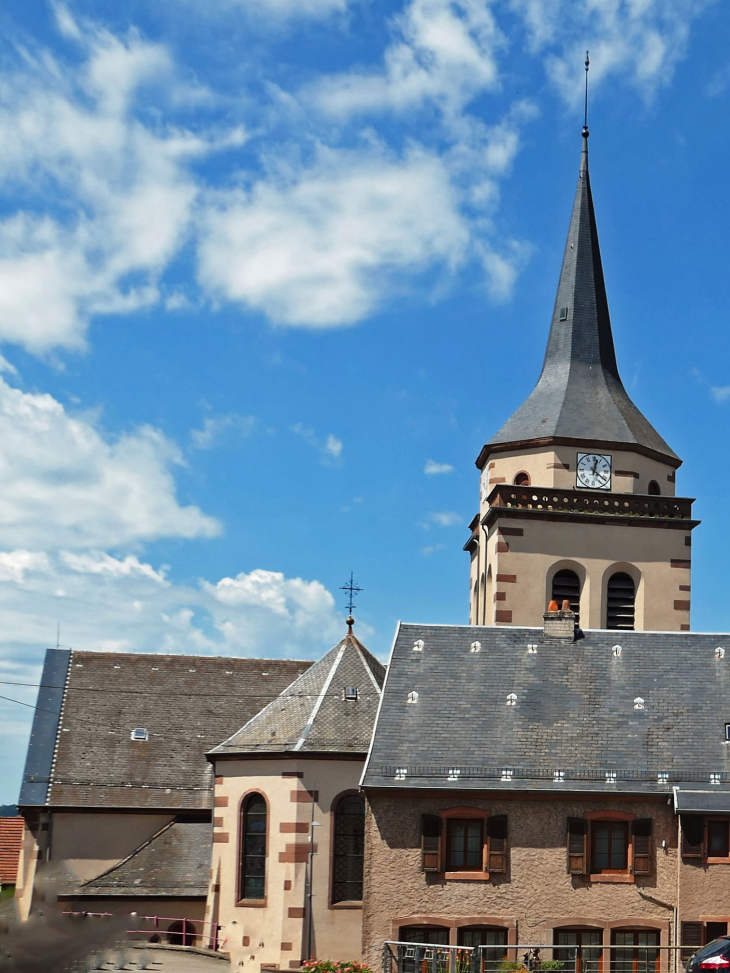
(531, 648)
(454, 773)
(715, 778)
(413, 696)
(616, 651)
(719, 652)
(558, 776)
(400, 773)
(476, 647)
(512, 699)
(139, 734)
(350, 693)
(507, 774)
(418, 645)
(662, 777)
(610, 776)
(638, 703)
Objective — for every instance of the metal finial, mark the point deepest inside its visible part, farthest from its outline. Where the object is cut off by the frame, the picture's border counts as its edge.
(585, 114)
(351, 589)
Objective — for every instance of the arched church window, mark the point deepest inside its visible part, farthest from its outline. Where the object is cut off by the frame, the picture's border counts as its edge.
(654, 490)
(253, 851)
(349, 849)
(522, 479)
(566, 584)
(620, 601)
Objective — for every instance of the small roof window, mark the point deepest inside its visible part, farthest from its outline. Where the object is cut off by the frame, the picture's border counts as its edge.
(139, 734)
(351, 693)
(563, 314)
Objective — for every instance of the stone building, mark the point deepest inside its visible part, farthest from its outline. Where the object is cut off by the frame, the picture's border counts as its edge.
(577, 487)
(289, 818)
(117, 794)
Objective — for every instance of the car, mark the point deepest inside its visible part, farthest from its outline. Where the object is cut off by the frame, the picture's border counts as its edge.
(713, 956)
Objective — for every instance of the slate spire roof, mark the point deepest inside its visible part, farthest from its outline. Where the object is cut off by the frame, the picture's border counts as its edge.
(313, 714)
(579, 395)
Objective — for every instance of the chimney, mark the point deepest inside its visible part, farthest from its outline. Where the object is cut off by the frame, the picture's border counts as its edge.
(559, 622)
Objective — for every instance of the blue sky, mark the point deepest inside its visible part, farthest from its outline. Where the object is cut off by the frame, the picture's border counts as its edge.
(272, 271)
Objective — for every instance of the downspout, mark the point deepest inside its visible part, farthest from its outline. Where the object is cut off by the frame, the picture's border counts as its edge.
(679, 885)
(484, 606)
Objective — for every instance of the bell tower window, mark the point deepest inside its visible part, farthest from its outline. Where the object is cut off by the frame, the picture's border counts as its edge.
(522, 479)
(620, 602)
(566, 584)
(654, 490)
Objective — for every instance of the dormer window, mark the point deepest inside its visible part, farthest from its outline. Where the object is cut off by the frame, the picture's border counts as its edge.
(351, 694)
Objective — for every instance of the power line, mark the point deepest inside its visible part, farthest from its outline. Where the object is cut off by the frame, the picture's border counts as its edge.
(147, 692)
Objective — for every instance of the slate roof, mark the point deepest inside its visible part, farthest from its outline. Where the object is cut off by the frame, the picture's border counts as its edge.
(174, 861)
(579, 395)
(574, 711)
(81, 754)
(716, 801)
(312, 715)
(11, 832)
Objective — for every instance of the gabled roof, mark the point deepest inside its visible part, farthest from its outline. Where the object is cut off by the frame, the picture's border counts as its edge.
(11, 833)
(580, 709)
(312, 715)
(81, 755)
(174, 861)
(579, 395)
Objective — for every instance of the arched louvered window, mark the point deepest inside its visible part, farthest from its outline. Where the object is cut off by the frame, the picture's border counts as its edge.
(620, 601)
(253, 850)
(566, 584)
(349, 849)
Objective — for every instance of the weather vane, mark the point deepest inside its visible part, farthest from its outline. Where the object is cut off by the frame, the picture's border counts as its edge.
(585, 115)
(351, 589)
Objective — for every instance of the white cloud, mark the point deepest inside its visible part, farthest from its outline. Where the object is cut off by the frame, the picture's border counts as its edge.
(432, 549)
(639, 42)
(323, 246)
(290, 8)
(216, 426)
(720, 393)
(443, 51)
(64, 483)
(127, 194)
(434, 469)
(330, 450)
(443, 518)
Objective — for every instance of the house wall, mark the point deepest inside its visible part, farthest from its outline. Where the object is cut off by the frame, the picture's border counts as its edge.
(536, 894)
(90, 843)
(273, 932)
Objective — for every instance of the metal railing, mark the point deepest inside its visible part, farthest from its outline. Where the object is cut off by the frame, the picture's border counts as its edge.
(181, 931)
(408, 957)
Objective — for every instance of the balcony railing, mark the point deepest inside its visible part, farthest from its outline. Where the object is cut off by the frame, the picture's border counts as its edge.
(593, 503)
(402, 957)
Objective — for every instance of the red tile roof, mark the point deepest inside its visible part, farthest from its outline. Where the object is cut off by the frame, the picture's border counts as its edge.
(11, 830)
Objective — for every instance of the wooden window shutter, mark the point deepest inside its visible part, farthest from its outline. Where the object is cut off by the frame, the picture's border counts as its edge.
(430, 843)
(692, 937)
(693, 835)
(497, 843)
(642, 846)
(577, 846)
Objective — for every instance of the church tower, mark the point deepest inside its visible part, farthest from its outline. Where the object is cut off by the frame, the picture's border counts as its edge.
(577, 487)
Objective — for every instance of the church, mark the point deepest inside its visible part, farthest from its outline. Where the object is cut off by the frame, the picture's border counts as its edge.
(554, 773)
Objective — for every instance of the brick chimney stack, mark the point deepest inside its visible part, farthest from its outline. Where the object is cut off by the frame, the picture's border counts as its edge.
(559, 623)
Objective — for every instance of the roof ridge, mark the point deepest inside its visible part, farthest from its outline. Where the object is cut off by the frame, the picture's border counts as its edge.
(323, 692)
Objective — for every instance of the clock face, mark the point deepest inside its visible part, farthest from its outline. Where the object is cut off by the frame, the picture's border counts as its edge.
(594, 471)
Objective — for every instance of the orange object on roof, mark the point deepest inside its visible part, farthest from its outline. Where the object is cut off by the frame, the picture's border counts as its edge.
(11, 832)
